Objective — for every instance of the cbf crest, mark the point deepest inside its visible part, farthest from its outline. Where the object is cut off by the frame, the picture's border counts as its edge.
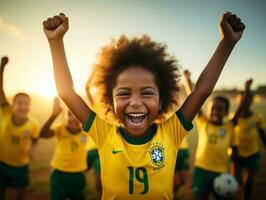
(222, 132)
(157, 154)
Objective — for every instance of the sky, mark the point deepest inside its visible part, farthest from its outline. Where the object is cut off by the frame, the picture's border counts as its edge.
(188, 27)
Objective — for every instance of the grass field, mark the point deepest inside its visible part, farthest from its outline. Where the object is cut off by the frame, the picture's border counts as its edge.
(40, 169)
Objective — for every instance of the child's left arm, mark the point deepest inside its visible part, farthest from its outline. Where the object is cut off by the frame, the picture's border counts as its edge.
(231, 29)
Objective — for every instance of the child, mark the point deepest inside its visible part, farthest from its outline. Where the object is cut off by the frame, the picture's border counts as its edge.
(138, 80)
(69, 160)
(249, 128)
(214, 139)
(18, 136)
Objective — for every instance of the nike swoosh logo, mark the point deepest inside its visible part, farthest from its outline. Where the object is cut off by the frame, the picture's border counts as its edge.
(116, 151)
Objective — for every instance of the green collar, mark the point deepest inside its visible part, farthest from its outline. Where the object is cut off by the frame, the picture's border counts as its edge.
(138, 140)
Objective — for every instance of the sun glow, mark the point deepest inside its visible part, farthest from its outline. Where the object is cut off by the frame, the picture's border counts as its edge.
(47, 91)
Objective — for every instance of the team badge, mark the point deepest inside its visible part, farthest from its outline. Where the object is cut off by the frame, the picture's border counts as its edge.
(26, 134)
(157, 155)
(222, 132)
(82, 139)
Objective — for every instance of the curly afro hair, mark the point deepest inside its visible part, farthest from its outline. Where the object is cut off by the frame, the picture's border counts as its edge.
(124, 53)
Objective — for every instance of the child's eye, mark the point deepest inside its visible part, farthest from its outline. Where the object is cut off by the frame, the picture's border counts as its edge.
(148, 94)
(123, 94)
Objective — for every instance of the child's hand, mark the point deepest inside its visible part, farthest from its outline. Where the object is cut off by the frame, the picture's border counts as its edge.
(248, 83)
(231, 27)
(56, 27)
(57, 108)
(187, 74)
(4, 61)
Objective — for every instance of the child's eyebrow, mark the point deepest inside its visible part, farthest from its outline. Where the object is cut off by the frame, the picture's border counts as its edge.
(148, 87)
(122, 88)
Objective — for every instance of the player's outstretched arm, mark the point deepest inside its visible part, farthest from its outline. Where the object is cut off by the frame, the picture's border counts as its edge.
(189, 86)
(3, 100)
(231, 29)
(55, 29)
(46, 131)
(244, 101)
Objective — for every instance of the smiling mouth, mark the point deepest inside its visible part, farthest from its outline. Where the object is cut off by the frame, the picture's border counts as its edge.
(136, 118)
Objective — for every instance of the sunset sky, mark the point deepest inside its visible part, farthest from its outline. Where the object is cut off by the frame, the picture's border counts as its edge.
(189, 28)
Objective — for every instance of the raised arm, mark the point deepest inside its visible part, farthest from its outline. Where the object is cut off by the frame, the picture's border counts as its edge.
(189, 86)
(55, 29)
(46, 131)
(244, 101)
(231, 29)
(3, 100)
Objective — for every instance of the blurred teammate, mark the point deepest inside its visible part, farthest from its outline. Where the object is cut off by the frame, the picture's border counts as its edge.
(69, 160)
(249, 129)
(18, 136)
(215, 136)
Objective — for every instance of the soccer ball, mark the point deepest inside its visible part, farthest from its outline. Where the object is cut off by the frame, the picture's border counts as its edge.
(225, 185)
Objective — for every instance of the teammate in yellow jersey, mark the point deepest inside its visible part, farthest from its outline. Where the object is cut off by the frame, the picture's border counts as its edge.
(18, 136)
(137, 80)
(69, 160)
(249, 129)
(215, 137)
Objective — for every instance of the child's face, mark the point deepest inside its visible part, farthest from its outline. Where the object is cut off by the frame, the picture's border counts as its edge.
(21, 106)
(216, 111)
(136, 100)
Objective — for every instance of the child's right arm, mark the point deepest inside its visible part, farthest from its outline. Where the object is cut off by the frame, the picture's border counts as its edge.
(54, 29)
(231, 29)
(46, 131)
(3, 100)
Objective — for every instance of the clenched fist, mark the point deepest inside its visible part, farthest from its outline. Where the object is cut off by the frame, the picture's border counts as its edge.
(55, 27)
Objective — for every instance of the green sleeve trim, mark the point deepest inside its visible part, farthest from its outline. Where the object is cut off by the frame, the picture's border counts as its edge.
(185, 123)
(86, 127)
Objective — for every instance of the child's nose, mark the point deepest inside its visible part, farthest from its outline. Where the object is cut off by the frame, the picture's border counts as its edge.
(135, 101)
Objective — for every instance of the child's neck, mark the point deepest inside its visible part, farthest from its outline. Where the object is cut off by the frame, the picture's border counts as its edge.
(18, 121)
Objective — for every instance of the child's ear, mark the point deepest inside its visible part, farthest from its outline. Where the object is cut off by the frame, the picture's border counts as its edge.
(111, 108)
(160, 106)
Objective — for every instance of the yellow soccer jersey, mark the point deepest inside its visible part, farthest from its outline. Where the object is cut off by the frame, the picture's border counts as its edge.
(16, 140)
(3, 113)
(70, 153)
(247, 131)
(137, 168)
(213, 143)
(184, 144)
(90, 144)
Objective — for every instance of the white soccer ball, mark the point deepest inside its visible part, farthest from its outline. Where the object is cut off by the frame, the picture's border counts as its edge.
(225, 185)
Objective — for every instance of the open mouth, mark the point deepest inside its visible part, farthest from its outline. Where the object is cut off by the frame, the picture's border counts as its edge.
(136, 118)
